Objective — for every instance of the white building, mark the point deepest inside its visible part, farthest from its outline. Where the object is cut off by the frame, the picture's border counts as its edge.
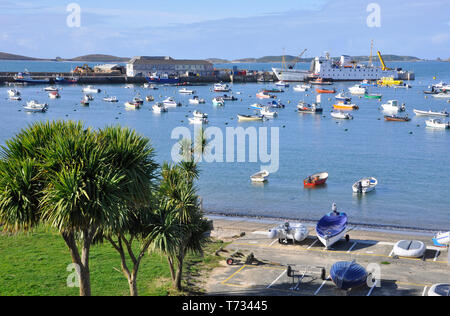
(147, 65)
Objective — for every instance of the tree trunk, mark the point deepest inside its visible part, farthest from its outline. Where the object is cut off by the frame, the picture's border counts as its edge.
(172, 269)
(82, 262)
(179, 275)
(133, 286)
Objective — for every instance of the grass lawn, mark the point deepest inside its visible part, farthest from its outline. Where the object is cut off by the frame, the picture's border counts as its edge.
(36, 263)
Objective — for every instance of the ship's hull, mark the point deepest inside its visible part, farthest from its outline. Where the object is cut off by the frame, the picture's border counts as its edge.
(162, 80)
(291, 75)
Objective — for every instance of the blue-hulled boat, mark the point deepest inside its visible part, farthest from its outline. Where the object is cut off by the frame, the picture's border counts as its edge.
(332, 227)
(348, 274)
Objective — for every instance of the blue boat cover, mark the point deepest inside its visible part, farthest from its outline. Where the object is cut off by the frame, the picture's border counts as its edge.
(348, 274)
(332, 224)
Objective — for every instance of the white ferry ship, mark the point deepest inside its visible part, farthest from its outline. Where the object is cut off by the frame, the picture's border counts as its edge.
(345, 69)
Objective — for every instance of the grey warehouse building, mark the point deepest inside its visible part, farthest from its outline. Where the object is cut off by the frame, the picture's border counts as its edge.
(148, 65)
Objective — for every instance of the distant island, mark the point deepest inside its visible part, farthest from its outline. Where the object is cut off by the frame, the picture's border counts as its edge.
(86, 58)
(266, 59)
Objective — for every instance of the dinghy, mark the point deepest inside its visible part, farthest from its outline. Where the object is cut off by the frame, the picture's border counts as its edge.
(332, 227)
(430, 113)
(395, 118)
(260, 176)
(348, 275)
(365, 185)
(409, 248)
(325, 91)
(442, 239)
(198, 120)
(441, 289)
(242, 117)
(341, 115)
(372, 96)
(289, 231)
(267, 112)
(316, 179)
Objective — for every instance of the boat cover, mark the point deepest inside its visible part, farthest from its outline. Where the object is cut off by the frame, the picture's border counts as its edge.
(348, 274)
(439, 290)
(332, 224)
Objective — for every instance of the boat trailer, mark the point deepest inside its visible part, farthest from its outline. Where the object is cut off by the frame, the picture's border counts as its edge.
(297, 276)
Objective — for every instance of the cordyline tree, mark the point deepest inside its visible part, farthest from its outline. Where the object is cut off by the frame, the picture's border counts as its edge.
(77, 180)
(180, 227)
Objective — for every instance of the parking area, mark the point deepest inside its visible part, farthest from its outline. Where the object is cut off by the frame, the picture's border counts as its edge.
(311, 263)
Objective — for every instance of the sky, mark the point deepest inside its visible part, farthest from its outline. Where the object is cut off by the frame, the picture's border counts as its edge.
(229, 29)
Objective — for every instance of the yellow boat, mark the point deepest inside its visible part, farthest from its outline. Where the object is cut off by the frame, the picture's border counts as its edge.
(345, 106)
(389, 81)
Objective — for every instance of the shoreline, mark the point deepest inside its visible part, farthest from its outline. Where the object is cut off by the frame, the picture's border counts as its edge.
(363, 227)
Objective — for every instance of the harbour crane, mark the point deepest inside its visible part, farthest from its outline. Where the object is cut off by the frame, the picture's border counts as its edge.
(383, 65)
(291, 66)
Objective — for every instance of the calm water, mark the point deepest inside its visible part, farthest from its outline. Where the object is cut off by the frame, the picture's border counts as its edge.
(412, 169)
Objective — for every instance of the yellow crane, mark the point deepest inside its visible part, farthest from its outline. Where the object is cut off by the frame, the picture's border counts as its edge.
(383, 65)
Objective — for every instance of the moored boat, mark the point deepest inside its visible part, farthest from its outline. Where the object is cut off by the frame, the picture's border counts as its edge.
(325, 91)
(304, 107)
(376, 96)
(301, 88)
(199, 114)
(316, 179)
(170, 102)
(90, 89)
(341, 115)
(243, 117)
(196, 100)
(264, 95)
(159, 108)
(358, 90)
(197, 120)
(260, 176)
(218, 101)
(186, 91)
(345, 106)
(393, 106)
(110, 99)
(34, 106)
(395, 118)
(267, 112)
(221, 87)
(132, 105)
(13, 92)
(430, 113)
(54, 95)
(435, 123)
(365, 185)
(320, 81)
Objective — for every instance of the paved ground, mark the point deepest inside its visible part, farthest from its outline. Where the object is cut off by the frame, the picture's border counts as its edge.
(402, 276)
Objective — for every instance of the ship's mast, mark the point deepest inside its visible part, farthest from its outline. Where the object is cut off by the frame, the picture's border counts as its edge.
(371, 49)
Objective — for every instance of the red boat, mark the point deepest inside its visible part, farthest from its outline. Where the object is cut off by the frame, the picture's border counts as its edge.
(325, 91)
(316, 179)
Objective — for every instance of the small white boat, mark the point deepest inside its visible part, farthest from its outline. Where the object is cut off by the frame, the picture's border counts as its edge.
(170, 102)
(268, 113)
(132, 105)
(357, 89)
(34, 106)
(301, 88)
(221, 87)
(430, 113)
(51, 88)
(15, 98)
(365, 185)
(282, 84)
(260, 176)
(393, 106)
(409, 248)
(197, 120)
(85, 101)
(342, 115)
(341, 96)
(90, 89)
(218, 101)
(442, 95)
(159, 108)
(442, 239)
(13, 92)
(289, 231)
(186, 91)
(199, 114)
(196, 100)
(242, 117)
(110, 99)
(54, 95)
(435, 123)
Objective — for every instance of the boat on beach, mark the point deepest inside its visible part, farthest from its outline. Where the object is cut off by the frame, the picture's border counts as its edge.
(348, 275)
(289, 231)
(332, 227)
(442, 239)
(365, 185)
(430, 113)
(260, 176)
(316, 179)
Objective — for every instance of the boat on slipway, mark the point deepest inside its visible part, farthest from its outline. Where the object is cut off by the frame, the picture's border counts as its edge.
(332, 227)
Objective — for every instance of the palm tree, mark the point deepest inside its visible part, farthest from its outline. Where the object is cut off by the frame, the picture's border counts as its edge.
(74, 179)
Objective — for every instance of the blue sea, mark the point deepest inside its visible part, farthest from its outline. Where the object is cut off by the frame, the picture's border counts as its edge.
(410, 161)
